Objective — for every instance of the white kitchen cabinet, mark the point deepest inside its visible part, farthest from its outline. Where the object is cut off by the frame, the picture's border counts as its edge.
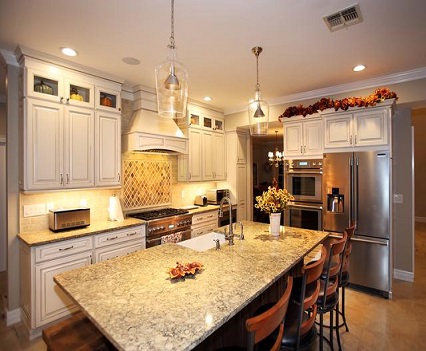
(61, 147)
(108, 148)
(364, 128)
(204, 222)
(303, 138)
(58, 146)
(190, 166)
(198, 119)
(54, 84)
(241, 192)
(42, 301)
(213, 156)
(118, 243)
(206, 158)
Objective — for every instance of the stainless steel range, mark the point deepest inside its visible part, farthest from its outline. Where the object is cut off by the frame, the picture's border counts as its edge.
(166, 224)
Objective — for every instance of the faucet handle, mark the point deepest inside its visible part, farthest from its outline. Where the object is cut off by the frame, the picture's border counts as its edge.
(217, 243)
(242, 230)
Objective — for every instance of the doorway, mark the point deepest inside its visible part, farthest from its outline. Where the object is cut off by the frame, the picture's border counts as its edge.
(264, 171)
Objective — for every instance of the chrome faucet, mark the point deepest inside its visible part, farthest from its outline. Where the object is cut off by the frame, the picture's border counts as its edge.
(230, 235)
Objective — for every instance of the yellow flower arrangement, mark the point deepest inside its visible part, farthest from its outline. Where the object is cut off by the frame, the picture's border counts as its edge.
(273, 200)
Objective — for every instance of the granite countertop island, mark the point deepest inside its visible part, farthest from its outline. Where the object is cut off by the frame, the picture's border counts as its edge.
(133, 301)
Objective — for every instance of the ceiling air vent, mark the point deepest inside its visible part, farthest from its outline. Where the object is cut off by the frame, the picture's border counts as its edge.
(344, 18)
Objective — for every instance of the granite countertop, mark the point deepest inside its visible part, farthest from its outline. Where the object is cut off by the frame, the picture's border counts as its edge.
(41, 237)
(133, 301)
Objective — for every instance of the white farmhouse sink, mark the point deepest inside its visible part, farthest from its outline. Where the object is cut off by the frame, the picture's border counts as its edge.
(203, 242)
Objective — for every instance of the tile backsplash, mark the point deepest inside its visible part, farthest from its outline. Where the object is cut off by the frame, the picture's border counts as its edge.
(96, 199)
(147, 180)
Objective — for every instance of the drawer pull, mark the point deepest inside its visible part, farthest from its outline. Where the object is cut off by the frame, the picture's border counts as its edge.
(112, 238)
(130, 234)
(66, 248)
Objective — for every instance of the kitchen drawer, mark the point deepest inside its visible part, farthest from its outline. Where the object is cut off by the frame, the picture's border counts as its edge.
(62, 248)
(119, 236)
(108, 253)
(207, 228)
(210, 216)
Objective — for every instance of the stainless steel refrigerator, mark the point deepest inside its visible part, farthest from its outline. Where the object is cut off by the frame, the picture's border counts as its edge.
(357, 186)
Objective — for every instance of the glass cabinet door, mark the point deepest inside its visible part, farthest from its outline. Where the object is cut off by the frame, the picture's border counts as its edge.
(107, 99)
(79, 93)
(44, 86)
(194, 120)
(218, 125)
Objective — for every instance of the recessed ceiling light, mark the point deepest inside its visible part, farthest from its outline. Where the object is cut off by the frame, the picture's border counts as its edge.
(359, 68)
(131, 61)
(207, 98)
(69, 52)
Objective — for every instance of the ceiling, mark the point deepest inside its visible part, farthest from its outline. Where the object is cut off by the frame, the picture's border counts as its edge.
(215, 37)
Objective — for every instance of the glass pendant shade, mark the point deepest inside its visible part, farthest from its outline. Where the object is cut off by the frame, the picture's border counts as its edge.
(171, 80)
(258, 112)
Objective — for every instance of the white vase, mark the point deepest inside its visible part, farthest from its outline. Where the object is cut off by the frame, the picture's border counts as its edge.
(274, 220)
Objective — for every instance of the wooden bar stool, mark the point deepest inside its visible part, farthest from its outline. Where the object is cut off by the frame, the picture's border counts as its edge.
(329, 297)
(76, 333)
(344, 272)
(265, 324)
(299, 328)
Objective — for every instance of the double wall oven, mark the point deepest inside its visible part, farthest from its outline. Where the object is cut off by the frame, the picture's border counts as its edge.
(164, 224)
(303, 179)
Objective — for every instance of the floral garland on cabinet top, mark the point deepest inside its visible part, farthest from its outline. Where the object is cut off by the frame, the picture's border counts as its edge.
(379, 95)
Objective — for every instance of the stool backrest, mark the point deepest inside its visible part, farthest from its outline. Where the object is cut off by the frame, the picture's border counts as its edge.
(309, 293)
(332, 268)
(264, 324)
(347, 250)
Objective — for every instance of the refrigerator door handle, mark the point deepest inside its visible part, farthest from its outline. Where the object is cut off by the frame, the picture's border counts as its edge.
(371, 241)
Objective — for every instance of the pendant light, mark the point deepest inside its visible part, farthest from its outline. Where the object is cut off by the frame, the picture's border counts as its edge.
(258, 110)
(171, 81)
(275, 158)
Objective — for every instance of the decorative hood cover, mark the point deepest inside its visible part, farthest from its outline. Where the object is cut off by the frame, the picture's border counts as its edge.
(149, 132)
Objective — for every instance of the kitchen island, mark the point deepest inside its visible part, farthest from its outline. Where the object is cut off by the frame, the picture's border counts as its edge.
(133, 301)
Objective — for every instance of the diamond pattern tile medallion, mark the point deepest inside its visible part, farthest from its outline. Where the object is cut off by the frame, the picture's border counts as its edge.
(146, 183)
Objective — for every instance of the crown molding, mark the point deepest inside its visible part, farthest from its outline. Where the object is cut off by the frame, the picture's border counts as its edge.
(395, 78)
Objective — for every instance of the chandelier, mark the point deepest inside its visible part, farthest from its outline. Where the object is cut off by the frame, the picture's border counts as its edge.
(258, 109)
(276, 158)
(171, 81)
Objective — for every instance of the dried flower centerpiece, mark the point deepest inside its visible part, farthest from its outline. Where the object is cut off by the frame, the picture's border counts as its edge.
(274, 201)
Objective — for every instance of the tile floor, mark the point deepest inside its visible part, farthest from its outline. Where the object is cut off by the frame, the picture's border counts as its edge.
(375, 323)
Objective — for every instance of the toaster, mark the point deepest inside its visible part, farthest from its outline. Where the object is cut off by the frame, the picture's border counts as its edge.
(69, 218)
(200, 200)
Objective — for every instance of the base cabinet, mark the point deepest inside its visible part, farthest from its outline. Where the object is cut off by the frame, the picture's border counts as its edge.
(51, 301)
(204, 222)
(42, 301)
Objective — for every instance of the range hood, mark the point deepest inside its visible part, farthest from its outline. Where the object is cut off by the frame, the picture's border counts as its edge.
(149, 132)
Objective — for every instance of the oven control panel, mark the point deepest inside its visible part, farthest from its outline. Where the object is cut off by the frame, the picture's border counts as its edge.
(303, 164)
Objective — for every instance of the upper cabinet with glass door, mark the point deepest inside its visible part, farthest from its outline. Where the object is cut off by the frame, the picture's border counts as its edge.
(54, 84)
(200, 120)
(108, 99)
